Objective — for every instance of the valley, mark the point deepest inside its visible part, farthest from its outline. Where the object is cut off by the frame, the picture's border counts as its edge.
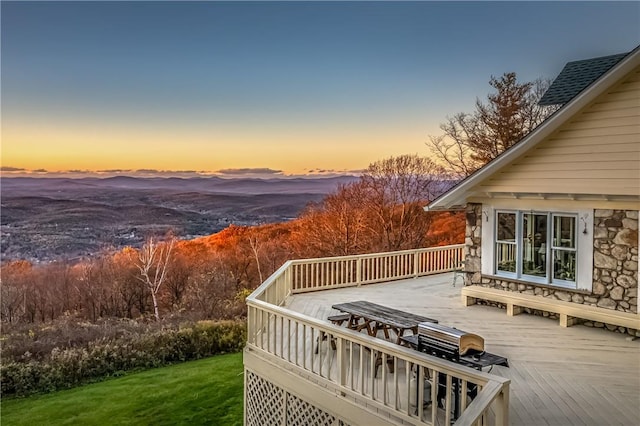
(46, 219)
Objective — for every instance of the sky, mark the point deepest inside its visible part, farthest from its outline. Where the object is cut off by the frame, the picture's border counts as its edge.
(267, 88)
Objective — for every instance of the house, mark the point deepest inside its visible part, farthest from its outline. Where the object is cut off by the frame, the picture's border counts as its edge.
(552, 223)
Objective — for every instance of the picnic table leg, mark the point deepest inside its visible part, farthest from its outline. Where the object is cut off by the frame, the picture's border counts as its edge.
(321, 338)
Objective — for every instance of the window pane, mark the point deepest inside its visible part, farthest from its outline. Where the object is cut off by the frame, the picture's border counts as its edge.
(534, 244)
(506, 227)
(506, 257)
(564, 265)
(564, 231)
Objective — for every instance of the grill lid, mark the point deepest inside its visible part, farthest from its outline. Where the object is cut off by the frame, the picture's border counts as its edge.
(439, 333)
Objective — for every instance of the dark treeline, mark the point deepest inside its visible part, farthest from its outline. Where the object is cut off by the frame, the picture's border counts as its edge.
(208, 278)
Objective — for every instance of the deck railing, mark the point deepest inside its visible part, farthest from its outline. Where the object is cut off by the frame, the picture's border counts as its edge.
(367, 371)
(346, 271)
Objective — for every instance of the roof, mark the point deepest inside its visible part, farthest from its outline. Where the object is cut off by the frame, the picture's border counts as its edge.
(456, 197)
(576, 76)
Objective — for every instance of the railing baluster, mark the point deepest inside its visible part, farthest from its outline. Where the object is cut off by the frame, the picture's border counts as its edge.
(434, 394)
(447, 405)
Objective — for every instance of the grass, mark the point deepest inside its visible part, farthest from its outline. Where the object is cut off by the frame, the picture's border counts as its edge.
(203, 392)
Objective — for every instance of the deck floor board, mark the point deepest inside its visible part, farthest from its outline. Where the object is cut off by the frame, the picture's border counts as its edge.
(559, 376)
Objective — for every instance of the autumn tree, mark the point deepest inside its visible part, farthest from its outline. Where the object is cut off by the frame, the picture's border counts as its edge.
(177, 279)
(471, 140)
(13, 290)
(337, 225)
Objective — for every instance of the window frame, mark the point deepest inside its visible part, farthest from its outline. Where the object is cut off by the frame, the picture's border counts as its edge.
(551, 248)
(496, 242)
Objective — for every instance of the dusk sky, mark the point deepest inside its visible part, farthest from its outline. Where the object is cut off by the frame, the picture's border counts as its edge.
(286, 88)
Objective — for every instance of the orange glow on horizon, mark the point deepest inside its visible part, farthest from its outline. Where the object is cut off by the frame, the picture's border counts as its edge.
(93, 147)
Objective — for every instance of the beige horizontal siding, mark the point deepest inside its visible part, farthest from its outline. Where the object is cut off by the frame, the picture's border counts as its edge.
(582, 159)
(618, 105)
(624, 163)
(589, 186)
(596, 152)
(603, 114)
(564, 152)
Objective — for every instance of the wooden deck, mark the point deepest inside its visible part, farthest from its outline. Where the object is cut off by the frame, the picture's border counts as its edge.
(559, 376)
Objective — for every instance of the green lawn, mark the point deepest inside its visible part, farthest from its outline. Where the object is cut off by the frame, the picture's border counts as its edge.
(204, 392)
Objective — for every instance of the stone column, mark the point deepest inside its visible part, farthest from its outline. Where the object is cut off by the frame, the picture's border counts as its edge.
(473, 243)
(615, 259)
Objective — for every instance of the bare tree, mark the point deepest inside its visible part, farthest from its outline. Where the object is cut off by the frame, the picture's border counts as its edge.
(13, 293)
(255, 246)
(511, 112)
(177, 280)
(336, 226)
(153, 262)
(397, 190)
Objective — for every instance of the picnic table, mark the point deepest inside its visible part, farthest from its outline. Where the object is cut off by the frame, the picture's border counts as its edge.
(373, 317)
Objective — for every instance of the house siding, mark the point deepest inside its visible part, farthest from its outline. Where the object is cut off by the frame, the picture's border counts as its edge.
(596, 152)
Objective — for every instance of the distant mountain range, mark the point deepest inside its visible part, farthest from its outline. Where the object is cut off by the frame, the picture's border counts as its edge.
(45, 219)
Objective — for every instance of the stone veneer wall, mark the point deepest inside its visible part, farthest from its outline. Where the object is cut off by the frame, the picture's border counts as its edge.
(615, 273)
(473, 244)
(615, 259)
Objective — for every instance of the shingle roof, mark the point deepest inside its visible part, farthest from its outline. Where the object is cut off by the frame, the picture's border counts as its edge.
(576, 76)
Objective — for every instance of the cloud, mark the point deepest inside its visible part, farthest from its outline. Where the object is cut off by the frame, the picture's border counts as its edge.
(165, 173)
(249, 171)
(114, 171)
(256, 172)
(334, 172)
(356, 171)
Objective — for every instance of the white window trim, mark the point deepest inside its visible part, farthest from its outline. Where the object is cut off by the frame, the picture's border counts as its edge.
(584, 258)
(584, 247)
(488, 231)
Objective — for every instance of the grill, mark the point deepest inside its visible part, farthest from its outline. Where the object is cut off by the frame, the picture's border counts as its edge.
(448, 342)
(456, 346)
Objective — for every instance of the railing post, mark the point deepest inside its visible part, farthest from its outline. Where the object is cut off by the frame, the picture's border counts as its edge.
(358, 271)
(342, 361)
(502, 412)
(416, 264)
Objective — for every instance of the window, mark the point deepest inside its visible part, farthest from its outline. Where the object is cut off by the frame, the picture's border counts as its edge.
(506, 242)
(537, 246)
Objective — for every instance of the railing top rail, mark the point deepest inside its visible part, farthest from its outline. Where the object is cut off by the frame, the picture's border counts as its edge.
(267, 283)
(367, 255)
(474, 411)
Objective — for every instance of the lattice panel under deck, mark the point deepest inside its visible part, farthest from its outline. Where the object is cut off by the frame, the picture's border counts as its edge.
(265, 402)
(301, 413)
(266, 406)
